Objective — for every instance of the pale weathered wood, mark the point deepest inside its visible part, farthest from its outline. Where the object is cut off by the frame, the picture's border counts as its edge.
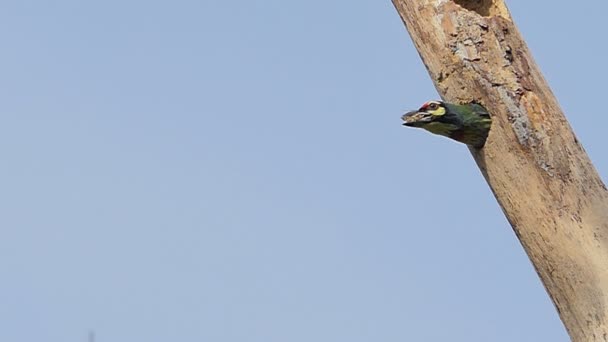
(540, 174)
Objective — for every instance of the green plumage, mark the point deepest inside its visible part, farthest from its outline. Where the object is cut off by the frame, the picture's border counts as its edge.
(469, 123)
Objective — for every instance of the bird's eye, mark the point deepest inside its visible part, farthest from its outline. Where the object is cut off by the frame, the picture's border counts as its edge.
(432, 106)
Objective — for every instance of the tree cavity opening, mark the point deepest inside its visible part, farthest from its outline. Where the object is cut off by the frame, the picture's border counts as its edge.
(484, 8)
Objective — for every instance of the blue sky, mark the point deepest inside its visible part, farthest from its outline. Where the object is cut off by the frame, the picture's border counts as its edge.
(236, 171)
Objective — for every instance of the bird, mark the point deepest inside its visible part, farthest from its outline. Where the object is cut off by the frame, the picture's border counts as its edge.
(468, 123)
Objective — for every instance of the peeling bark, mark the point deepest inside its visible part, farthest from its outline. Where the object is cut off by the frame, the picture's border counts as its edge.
(540, 174)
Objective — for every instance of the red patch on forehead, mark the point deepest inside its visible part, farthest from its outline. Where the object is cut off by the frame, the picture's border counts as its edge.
(427, 104)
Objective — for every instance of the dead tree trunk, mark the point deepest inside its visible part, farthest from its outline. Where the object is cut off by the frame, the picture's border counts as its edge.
(540, 174)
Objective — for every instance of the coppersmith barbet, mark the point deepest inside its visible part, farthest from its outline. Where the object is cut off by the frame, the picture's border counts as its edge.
(469, 123)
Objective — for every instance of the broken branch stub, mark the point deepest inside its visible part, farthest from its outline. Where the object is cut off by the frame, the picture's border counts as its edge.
(541, 176)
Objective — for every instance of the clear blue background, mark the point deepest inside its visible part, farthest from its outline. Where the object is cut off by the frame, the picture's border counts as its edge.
(236, 171)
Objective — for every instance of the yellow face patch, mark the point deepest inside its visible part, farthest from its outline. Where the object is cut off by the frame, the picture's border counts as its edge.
(437, 112)
(434, 108)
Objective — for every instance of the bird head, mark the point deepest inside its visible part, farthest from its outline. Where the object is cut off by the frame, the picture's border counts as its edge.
(430, 112)
(435, 117)
(468, 123)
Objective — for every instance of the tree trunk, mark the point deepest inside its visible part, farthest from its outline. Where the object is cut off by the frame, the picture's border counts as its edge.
(539, 172)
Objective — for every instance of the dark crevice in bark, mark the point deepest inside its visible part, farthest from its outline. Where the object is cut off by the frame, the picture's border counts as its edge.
(480, 6)
(485, 8)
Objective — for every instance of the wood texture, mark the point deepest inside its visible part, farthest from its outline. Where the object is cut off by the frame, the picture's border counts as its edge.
(539, 172)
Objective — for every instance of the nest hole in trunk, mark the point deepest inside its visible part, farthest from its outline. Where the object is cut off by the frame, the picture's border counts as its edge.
(484, 8)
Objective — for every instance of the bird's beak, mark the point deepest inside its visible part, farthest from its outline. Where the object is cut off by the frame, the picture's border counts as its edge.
(416, 118)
